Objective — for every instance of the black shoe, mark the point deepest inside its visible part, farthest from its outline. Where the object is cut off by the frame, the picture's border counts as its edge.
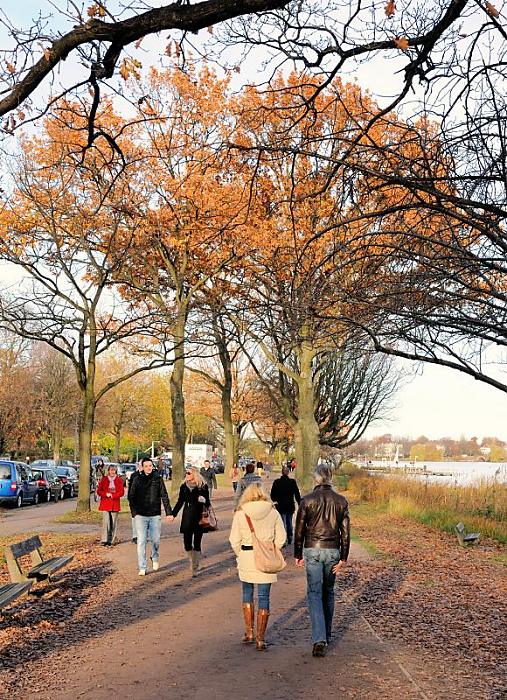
(134, 540)
(104, 544)
(319, 649)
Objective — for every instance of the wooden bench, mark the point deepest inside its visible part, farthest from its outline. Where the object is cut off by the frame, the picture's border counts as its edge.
(465, 538)
(40, 570)
(11, 591)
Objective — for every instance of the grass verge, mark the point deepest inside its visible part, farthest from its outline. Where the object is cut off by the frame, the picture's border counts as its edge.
(481, 508)
(92, 517)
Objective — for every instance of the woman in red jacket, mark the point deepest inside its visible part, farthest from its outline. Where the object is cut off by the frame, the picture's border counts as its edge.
(110, 490)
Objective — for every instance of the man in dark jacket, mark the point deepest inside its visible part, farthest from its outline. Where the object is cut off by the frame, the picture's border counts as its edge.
(133, 477)
(285, 494)
(147, 493)
(209, 476)
(321, 544)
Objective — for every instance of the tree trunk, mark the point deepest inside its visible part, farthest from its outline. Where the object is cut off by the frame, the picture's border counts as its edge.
(306, 429)
(85, 449)
(178, 404)
(57, 444)
(231, 444)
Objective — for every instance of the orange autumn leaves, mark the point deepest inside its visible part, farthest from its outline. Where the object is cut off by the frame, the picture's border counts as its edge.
(212, 185)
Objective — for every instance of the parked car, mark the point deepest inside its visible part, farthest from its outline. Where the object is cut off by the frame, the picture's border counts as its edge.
(52, 463)
(218, 466)
(130, 468)
(17, 484)
(50, 486)
(96, 458)
(68, 477)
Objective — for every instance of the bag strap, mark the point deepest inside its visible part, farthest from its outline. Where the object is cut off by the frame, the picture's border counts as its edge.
(250, 524)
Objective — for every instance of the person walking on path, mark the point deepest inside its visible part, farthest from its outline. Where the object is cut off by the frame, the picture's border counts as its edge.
(139, 468)
(100, 470)
(110, 490)
(147, 493)
(235, 476)
(268, 525)
(285, 494)
(193, 497)
(250, 478)
(209, 476)
(321, 544)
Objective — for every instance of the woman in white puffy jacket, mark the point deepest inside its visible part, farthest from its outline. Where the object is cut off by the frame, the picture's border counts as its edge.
(267, 525)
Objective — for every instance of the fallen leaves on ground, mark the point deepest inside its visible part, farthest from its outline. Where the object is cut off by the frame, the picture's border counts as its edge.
(436, 597)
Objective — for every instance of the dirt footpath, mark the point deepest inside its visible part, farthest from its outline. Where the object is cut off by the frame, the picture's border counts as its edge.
(167, 635)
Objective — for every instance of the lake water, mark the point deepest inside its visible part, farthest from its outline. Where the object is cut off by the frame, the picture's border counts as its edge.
(456, 473)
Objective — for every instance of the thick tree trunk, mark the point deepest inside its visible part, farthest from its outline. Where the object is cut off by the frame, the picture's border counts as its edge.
(231, 444)
(178, 406)
(306, 429)
(85, 449)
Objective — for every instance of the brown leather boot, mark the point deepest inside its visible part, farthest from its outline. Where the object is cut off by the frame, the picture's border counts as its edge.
(262, 623)
(248, 616)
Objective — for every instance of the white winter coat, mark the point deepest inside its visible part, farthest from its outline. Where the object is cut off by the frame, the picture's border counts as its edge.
(268, 525)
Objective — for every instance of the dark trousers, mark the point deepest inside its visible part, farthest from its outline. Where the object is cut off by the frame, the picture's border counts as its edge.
(287, 522)
(192, 540)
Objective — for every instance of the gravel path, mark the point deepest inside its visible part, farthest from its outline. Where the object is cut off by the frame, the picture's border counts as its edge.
(168, 635)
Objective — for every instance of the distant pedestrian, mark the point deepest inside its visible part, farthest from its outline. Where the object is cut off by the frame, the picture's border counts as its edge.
(235, 476)
(193, 498)
(100, 470)
(131, 481)
(147, 494)
(260, 468)
(110, 490)
(285, 494)
(247, 480)
(209, 476)
(268, 526)
(321, 544)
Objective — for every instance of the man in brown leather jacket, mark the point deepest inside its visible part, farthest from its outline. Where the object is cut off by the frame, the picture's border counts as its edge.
(321, 544)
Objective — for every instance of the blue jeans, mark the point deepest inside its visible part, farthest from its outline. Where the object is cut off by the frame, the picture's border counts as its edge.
(147, 527)
(287, 523)
(320, 589)
(263, 590)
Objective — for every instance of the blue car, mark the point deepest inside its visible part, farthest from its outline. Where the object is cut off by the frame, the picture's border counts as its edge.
(17, 484)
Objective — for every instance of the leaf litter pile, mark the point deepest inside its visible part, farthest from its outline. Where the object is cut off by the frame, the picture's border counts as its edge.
(446, 603)
(65, 613)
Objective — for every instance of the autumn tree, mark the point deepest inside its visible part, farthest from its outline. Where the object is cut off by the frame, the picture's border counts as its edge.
(66, 230)
(429, 44)
(55, 395)
(122, 408)
(19, 417)
(304, 262)
(192, 207)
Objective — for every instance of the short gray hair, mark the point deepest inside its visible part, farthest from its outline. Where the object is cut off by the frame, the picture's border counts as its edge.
(323, 474)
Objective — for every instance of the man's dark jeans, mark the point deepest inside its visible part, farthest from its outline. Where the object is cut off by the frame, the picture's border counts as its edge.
(320, 589)
(287, 523)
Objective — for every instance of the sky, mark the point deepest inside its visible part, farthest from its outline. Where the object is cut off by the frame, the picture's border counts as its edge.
(438, 402)
(441, 402)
